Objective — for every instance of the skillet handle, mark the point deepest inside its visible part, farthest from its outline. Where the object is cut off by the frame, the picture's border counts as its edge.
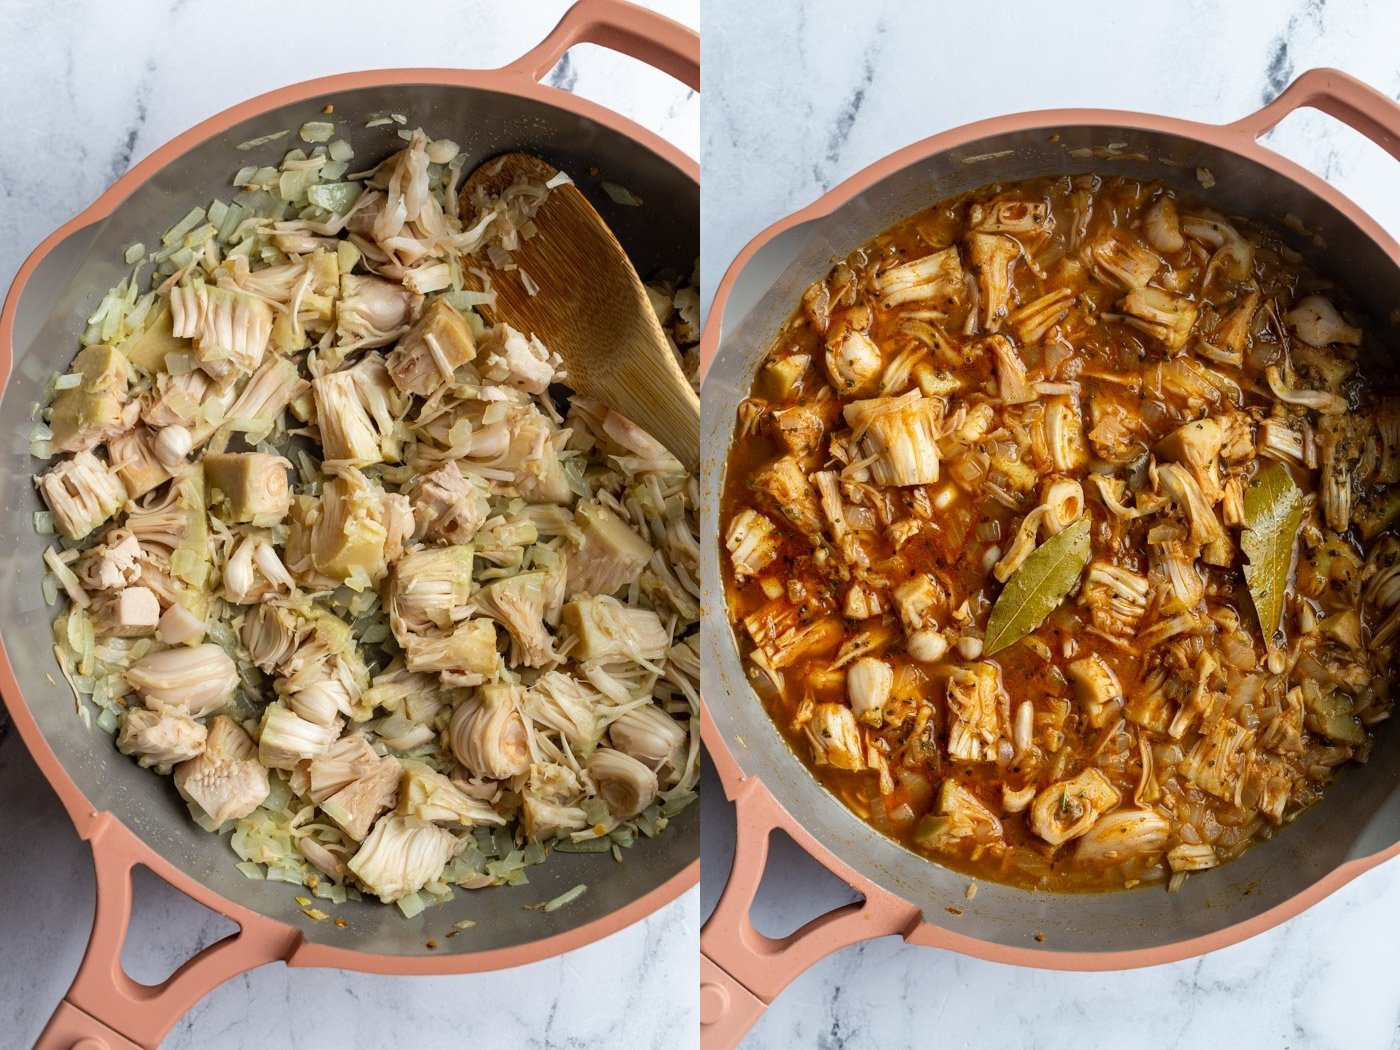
(741, 969)
(1339, 95)
(634, 31)
(104, 1008)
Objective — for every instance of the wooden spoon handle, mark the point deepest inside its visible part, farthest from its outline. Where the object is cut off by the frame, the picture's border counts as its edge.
(585, 301)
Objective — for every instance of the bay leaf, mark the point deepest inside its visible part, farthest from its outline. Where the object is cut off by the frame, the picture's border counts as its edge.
(1273, 514)
(1038, 586)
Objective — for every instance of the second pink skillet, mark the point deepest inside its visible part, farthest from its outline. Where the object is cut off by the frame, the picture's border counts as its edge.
(1355, 827)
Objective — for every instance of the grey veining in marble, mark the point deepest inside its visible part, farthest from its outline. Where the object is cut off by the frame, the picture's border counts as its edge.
(799, 97)
(802, 96)
(88, 88)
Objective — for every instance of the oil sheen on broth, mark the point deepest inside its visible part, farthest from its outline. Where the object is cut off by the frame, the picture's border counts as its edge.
(1103, 399)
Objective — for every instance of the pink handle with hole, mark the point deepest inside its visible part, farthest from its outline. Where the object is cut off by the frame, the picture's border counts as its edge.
(633, 31)
(743, 970)
(1357, 105)
(105, 1009)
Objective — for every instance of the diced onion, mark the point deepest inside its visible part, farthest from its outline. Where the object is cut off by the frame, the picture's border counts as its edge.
(568, 896)
(621, 195)
(335, 197)
(261, 140)
(317, 131)
(176, 233)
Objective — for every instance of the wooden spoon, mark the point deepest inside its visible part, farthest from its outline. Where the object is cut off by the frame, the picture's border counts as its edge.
(591, 308)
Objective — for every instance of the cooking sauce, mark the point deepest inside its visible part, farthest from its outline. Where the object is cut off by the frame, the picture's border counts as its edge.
(1071, 332)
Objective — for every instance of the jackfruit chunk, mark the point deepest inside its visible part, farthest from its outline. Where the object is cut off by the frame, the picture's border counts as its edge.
(401, 856)
(285, 738)
(357, 528)
(230, 329)
(624, 784)
(900, 435)
(1096, 687)
(753, 543)
(373, 311)
(355, 806)
(961, 817)
(977, 706)
(81, 493)
(357, 412)
(519, 360)
(226, 781)
(1069, 808)
(1166, 317)
(160, 739)
(198, 680)
(783, 487)
(91, 412)
(490, 735)
(432, 351)
(525, 605)
(433, 797)
(602, 628)
(611, 554)
(129, 613)
(448, 506)
(466, 656)
(112, 564)
(835, 738)
(428, 589)
(248, 486)
(148, 350)
(133, 458)
(936, 278)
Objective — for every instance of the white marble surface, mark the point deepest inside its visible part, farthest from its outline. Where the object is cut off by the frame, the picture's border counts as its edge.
(88, 88)
(795, 103)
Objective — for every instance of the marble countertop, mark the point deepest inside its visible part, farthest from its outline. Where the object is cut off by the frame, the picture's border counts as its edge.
(796, 102)
(89, 88)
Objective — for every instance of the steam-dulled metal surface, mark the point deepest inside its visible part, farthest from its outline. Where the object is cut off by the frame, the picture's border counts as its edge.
(57, 298)
(1360, 815)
